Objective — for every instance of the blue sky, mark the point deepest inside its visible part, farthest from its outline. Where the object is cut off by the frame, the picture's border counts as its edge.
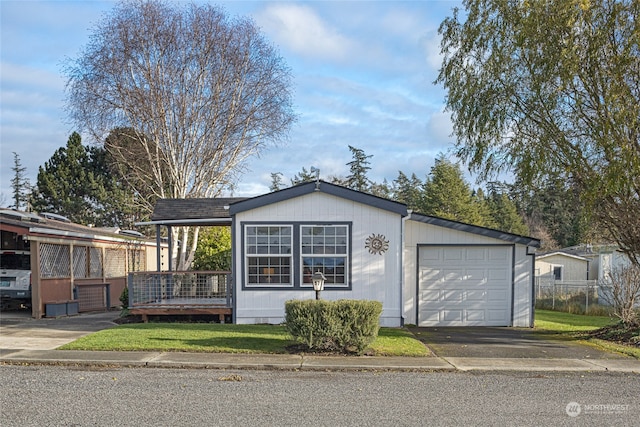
(363, 76)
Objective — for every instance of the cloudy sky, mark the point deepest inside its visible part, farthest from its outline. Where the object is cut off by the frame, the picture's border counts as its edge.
(363, 76)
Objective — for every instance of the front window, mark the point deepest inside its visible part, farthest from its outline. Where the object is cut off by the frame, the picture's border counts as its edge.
(324, 248)
(268, 252)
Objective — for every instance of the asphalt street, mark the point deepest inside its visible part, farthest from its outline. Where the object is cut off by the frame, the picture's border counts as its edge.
(81, 396)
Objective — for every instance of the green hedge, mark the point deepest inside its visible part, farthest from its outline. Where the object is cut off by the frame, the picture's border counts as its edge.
(347, 326)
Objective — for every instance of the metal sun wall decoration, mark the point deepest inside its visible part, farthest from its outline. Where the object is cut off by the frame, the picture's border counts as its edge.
(377, 244)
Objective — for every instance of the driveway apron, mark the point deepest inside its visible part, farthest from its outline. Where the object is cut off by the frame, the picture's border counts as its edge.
(495, 342)
(20, 331)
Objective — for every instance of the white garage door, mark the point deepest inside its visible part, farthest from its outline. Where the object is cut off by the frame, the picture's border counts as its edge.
(464, 286)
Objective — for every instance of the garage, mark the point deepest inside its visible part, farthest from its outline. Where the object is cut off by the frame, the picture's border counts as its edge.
(465, 285)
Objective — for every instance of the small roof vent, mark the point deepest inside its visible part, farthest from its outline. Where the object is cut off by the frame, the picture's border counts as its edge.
(131, 233)
(50, 215)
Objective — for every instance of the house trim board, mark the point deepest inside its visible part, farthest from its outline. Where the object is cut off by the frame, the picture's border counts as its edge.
(474, 229)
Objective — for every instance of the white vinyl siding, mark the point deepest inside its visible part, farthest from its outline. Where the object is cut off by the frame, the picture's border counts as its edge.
(369, 276)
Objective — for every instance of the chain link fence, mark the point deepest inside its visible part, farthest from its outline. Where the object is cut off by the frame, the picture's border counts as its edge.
(576, 296)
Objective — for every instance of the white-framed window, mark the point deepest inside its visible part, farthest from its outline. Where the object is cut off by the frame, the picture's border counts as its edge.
(557, 272)
(325, 248)
(268, 255)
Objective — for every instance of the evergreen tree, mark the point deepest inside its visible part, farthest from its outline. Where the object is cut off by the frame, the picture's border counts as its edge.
(484, 210)
(77, 183)
(19, 183)
(303, 176)
(359, 166)
(554, 204)
(276, 181)
(381, 190)
(447, 195)
(130, 161)
(505, 214)
(408, 190)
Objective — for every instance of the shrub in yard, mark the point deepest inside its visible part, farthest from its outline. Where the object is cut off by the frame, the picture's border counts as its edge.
(347, 326)
(124, 300)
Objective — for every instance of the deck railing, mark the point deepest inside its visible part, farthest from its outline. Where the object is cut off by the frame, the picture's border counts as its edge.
(180, 288)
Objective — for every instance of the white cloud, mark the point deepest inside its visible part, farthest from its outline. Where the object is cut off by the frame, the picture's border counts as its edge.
(441, 128)
(430, 44)
(363, 75)
(301, 30)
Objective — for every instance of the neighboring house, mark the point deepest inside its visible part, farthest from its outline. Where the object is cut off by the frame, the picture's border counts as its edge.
(66, 265)
(601, 257)
(560, 266)
(425, 270)
(611, 262)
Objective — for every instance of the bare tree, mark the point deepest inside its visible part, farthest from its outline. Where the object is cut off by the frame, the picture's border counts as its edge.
(621, 290)
(202, 92)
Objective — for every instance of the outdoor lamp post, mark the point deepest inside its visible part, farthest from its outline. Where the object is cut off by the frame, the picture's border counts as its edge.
(318, 283)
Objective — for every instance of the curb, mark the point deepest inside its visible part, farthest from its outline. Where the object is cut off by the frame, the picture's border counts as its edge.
(223, 361)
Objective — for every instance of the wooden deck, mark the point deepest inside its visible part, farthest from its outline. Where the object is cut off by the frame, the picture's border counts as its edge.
(183, 307)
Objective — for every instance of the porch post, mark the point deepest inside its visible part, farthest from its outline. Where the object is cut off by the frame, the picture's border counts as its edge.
(158, 249)
(170, 234)
(36, 294)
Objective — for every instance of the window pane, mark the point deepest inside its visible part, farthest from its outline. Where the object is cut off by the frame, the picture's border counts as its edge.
(316, 243)
(332, 268)
(265, 247)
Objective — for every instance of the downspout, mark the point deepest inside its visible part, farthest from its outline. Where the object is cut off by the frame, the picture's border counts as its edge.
(234, 264)
(533, 286)
(402, 281)
(513, 283)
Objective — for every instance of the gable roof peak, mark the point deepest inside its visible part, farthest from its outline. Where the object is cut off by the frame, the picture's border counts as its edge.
(321, 186)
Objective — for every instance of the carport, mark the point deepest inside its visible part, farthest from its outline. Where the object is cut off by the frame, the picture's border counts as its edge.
(74, 268)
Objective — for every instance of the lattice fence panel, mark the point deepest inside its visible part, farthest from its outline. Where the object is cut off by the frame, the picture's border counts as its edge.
(137, 260)
(95, 262)
(54, 261)
(79, 262)
(92, 297)
(115, 263)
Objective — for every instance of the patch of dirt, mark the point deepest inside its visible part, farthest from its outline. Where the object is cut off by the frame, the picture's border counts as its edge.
(303, 349)
(619, 334)
(128, 319)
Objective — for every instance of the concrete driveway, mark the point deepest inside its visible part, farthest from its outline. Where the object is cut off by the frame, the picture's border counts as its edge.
(19, 331)
(489, 342)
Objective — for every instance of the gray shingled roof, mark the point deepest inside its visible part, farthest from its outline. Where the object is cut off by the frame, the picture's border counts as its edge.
(177, 209)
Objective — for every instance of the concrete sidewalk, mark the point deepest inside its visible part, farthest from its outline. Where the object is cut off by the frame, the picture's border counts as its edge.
(304, 362)
(28, 341)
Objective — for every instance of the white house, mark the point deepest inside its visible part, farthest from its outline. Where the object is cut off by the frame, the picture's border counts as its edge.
(562, 266)
(425, 270)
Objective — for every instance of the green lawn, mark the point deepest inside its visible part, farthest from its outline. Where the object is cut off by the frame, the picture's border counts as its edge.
(555, 324)
(556, 321)
(225, 338)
